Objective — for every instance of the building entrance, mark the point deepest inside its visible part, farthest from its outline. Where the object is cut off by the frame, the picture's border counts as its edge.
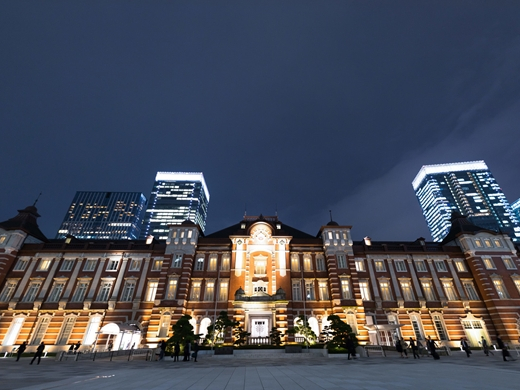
(259, 327)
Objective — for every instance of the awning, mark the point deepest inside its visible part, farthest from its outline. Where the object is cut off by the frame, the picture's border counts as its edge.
(114, 328)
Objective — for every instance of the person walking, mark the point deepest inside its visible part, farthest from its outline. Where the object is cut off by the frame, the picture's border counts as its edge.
(485, 347)
(38, 353)
(503, 347)
(465, 346)
(432, 348)
(186, 351)
(399, 347)
(162, 349)
(195, 349)
(414, 349)
(176, 351)
(110, 345)
(76, 347)
(21, 350)
(405, 348)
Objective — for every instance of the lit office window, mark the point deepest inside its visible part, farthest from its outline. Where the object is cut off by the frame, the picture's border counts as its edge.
(365, 290)
(380, 265)
(296, 290)
(295, 263)
(508, 262)
(429, 294)
(44, 264)
(210, 291)
(223, 291)
(157, 264)
(360, 265)
(451, 295)
(195, 291)
(460, 266)
(386, 294)
(260, 266)
(14, 331)
(345, 289)
(135, 265)
(92, 330)
(407, 291)
(323, 290)
(307, 266)
(151, 291)
(501, 288)
(225, 266)
(171, 290)
(488, 263)
(212, 265)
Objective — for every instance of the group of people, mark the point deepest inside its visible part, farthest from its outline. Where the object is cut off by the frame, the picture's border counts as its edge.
(191, 350)
(402, 347)
(74, 348)
(485, 347)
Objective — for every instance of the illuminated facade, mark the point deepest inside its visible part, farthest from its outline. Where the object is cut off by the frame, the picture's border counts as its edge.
(104, 216)
(175, 197)
(264, 273)
(470, 189)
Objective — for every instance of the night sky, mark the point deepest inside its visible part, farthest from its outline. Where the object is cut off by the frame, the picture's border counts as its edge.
(296, 106)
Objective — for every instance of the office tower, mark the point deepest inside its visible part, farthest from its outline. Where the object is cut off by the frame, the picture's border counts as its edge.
(175, 197)
(469, 188)
(104, 216)
(516, 208)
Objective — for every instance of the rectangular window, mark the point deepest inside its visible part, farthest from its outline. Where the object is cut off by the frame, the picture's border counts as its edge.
(296, 290)
(209, 295)
(420, 266)
(478, 243)
(128, 291)
(157, 265)
(360, 265)
(501, 289)
(400, 266)
(342, 261)
(460, 266)
(199, 265)
(429, 294)
(517, 283)
(309, 291)
(260, 266)
(470, 291)
(79, 294)
(307, 266)
(56, 291)
(345, 289)
(171, 290)
(386, 294)
(488, 243)
(44, 264)
(195, 291)
(225, 266)
(324, 291)
(151, 291)
(498, 243)
(112, 265)
(67, 265)
(451, 295)
(135, 265)
(177, 261)
(365, 290)
(30, 295)
(320, 263)
(90, 265)
(104, 291)
(8, 291)
(41, 328)
(21, 265)
(66, 330)
(508, 262)
(212, 265)
(407, 291)
(92, 329)
(295, 263)
(380, 265)
(439, 326)
(488, 263)
(223, 291)
(441, 266)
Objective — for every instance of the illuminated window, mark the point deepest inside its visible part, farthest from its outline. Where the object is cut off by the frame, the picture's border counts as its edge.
(128, 291)
(199, 265)
(345, 289)
(400, 266)
(260, 265)
(212, 265)
(92, 330)
(14, 331)
(360, 265)
(210, 291)
(380, 265)
(406, 287)
(460, 266)
(488, 263)
(44, 264)
(420, 266)
(223, 291)
(508, 262)
(225, 266)
(195, 291)
(488, 243)
(497, 242)
(151, 291)
(323, 289)
(516, 280)
(171, 290)
(451, 295)
(342, 261)
(365, 290)
(8, 291)
(177, 261)
(478, 243)
(429, 294)
(501, 288)
(295, 263)
(320, 263)
(386, 294)
(296, 290)
(307, 266)
(470, 290)
(309, 290)
(157, 264)
(164, 325)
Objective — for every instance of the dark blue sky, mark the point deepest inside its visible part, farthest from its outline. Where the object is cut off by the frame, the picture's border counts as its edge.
(303, 106)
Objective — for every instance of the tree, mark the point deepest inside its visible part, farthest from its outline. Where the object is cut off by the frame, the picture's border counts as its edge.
(339, 332)
(276, 336)
(302, 328)
(182, 332)
(240, 334)
(217, 331)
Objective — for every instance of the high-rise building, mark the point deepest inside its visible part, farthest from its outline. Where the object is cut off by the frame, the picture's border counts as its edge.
(469, 188)
(104, 216)
(175, 197)
(516, 208)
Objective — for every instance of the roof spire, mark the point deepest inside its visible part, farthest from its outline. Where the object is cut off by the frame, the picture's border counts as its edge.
(34, 204)
(330, 213)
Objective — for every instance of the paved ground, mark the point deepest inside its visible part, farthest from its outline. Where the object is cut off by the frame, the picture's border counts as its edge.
(211, 373)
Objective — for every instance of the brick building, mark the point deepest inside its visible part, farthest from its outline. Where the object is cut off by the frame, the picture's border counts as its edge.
(264, 273)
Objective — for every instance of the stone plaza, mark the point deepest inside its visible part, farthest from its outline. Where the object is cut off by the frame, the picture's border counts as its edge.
(301, 371)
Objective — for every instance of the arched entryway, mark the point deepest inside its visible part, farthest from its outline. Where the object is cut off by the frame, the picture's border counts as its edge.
(122, 336)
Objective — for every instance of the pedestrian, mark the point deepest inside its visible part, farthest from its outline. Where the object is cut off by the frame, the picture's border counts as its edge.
(110, 345)
(186, 351)
(414, 349)
(21, 350)
(351, 348)
(71, 348)
(405, 348)
(399, 347)
(195, 351)
(38, 353)
(432, 348)
(176, 351)
(162, 349)
(503, 347)
(485, 347)
(465, 346)
(76, 347)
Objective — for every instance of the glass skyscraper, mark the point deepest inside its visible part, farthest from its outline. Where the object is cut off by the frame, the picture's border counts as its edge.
(516, 208)
(175, 197)
(471, 189)
(104, 216)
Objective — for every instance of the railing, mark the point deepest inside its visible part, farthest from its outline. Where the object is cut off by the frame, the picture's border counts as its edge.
(258, 341)
(374, 349)
(129, 353)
